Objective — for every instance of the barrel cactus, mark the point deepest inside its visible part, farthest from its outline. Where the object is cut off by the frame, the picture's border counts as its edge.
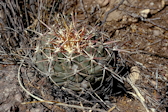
(73, 57)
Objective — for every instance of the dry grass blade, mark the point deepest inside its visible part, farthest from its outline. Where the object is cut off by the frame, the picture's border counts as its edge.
(66, 105)
(21, 85)
(138, 94)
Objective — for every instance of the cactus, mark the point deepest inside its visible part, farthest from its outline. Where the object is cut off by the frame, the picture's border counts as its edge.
(73, 57)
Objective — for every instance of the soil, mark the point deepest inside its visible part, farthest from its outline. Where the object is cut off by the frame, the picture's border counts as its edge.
(140, 28)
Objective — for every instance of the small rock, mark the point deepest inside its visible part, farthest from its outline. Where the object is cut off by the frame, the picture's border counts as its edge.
(35, 110)
(18, 97)
(156, 32)
(145, 13)
(103, 3)
(115, 15)
(135, 74)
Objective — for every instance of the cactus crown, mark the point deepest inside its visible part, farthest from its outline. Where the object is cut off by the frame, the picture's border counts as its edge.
(69, 39)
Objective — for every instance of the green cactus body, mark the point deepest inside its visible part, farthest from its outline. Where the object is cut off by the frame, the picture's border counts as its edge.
(71, 58)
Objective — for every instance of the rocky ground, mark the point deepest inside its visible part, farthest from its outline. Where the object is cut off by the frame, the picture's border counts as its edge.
(140, 28)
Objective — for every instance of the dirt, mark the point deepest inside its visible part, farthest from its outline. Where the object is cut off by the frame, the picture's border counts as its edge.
(141, 29)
